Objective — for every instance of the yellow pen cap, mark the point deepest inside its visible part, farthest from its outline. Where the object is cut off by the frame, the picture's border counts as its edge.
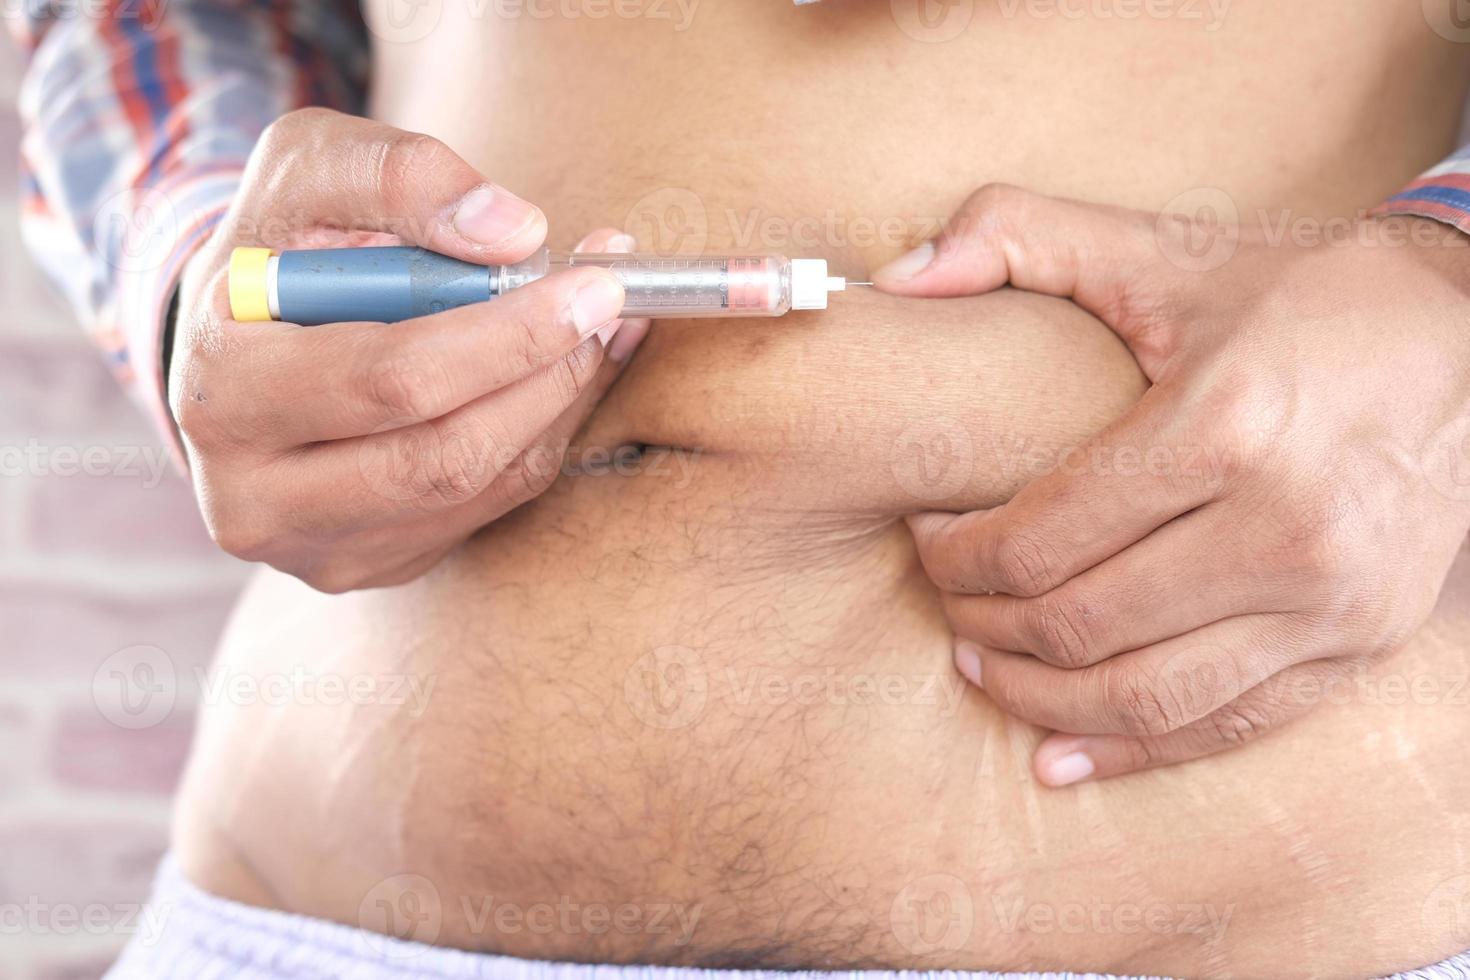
(249, 286)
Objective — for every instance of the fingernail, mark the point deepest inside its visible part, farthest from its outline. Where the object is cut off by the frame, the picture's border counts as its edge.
(1070, 768)
(622, 242)
(608, 331)
(967, 662)
(629, 336)
(908, 265)
(597, 301)
(491, 215)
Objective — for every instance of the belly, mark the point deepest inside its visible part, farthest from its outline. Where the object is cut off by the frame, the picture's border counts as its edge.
(708, 683)
(851, 129)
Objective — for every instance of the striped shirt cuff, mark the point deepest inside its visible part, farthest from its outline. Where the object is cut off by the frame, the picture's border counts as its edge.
(1442, 194)
(166, 225)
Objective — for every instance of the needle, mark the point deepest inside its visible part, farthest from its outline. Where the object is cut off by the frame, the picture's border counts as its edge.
(851, 283)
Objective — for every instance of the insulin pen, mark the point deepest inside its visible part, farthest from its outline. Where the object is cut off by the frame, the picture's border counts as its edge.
(388, 284)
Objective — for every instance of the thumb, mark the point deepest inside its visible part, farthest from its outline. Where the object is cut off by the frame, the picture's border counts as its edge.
(1104, 259)
(316, 167)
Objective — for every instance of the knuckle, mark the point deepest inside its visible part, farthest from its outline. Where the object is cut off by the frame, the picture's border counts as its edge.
(334, 578)
(577, 370)
(1061, 628)
(307, 117)
(1387, 621)
(989, 209)
(1246, 423)
(532, 474)
(399, 387)
(194, 375)
(1313, 543)
(1140, 753)
(535, 345)
(995, 196)
(284, 136)
(403, 159)
(464, 464)
(1024, 566)
(1236, 724)
(1012, 696)
(195, 418)
(1142, 706)
(567, 378)
(245, 537)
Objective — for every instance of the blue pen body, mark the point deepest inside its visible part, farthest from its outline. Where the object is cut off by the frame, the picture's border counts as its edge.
(389, 284)
(386, 284)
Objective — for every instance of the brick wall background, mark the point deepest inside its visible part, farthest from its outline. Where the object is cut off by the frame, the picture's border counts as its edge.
(109, 588)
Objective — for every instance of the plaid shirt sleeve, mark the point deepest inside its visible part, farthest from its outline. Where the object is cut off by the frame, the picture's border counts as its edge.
(1442, 194)
(138, 118)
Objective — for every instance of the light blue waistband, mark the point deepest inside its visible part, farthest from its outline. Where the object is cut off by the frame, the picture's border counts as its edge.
(189, 934)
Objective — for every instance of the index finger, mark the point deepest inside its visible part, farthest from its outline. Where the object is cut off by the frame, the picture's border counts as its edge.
(1104, 497)
(1063, 759)
(295, 385)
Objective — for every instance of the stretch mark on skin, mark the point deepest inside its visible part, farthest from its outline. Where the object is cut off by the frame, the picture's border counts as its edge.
(1407, 751)
(1023, 743)
(1217, 961)
(1316, 866)
(1116, 850)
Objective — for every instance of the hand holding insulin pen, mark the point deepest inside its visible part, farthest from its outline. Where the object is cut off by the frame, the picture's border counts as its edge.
(388, 284)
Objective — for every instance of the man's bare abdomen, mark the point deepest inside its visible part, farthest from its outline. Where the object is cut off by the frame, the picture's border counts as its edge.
(710, 678)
